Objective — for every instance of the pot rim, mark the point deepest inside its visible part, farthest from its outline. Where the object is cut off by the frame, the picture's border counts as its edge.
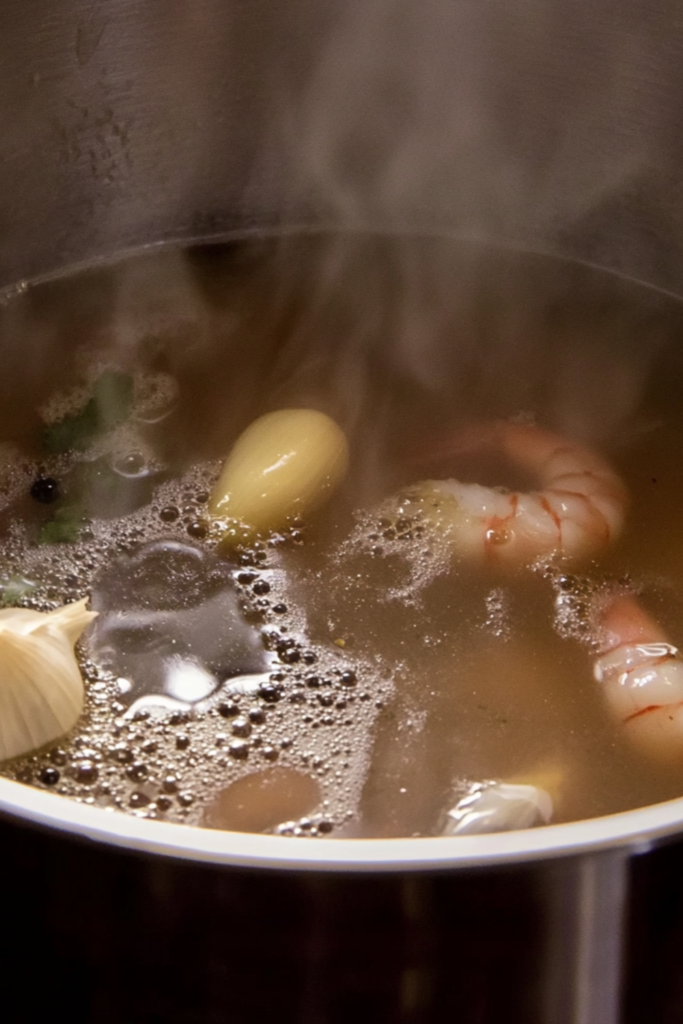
(633, 831)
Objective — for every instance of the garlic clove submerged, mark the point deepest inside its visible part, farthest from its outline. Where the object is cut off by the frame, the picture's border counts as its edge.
(498, 807)
(41, 689)
(286, 463)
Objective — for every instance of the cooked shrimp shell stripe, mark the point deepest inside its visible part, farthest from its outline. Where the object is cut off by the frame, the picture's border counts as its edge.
(642, 677)
(578, 511)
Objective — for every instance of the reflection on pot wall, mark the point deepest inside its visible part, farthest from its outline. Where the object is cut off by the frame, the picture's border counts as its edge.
(125, 123)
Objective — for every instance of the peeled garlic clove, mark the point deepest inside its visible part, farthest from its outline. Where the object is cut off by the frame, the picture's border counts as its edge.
(41, 689)
(286, 463)
(498, 807)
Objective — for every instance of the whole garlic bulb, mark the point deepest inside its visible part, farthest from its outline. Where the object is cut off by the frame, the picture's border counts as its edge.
(41, 689)
(286, 463)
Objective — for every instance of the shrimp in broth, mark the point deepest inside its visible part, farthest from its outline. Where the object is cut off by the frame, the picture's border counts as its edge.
(434, 630)
(579, 511)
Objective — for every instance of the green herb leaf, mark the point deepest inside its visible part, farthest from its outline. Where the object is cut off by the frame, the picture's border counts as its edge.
(64, 527)
(109, 405)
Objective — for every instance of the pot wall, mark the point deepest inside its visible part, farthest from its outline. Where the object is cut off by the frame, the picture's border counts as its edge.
(540, 125)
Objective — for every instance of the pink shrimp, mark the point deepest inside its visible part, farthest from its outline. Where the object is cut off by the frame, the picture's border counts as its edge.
(642, 677)
(578, 510)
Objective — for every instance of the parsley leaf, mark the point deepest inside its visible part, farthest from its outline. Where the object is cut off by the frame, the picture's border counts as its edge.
(109, 406)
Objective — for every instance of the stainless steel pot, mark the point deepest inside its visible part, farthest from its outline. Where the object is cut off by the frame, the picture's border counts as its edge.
(544, 126)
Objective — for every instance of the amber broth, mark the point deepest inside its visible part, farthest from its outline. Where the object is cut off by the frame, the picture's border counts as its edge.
(403, 341)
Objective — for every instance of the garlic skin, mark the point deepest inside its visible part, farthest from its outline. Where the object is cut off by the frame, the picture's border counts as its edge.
(41, 689)
(286, 463)
(498, 807)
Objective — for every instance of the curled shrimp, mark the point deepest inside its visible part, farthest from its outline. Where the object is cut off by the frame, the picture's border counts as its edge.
(578, 510)
(642, 677)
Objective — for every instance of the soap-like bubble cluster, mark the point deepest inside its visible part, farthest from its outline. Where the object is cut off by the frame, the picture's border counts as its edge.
(400, 529)
(577, 598)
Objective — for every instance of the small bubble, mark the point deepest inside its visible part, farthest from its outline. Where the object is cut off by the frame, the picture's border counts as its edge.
(287, 653)
(197, 529)
(58, 756)
(261, 587)
(49, 776)
(257, 716)
(238, 749)
(182, 741)
(138, 799)
(241, 727)
(121, 753)
(164, 803)
(348, 678)
(84, 772)
(137, 771)
(228, 709)
(170, 784)
(169, 514)
(132, 464)
(270, 753)
(270, 693)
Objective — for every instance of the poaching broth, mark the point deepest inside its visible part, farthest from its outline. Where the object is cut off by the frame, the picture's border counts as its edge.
(376, 674)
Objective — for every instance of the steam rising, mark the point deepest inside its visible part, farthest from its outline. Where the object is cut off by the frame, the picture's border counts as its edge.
(509, 124)
(525, 128)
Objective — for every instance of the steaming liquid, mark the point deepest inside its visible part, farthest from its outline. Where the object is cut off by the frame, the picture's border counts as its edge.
(349, 669)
